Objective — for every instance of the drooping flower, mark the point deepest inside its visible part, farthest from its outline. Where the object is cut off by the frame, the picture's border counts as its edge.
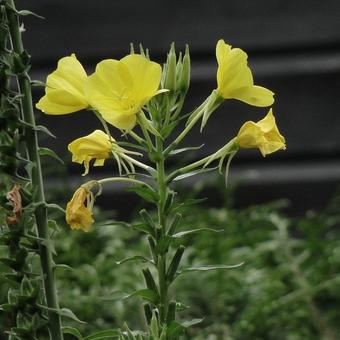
(119, 88)
(96, 145)
(79, 210)
(64, 92)
(263, 135)
(235, 80)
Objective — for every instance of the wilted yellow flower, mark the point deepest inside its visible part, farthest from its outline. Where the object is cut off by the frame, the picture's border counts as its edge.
(234, 77)
(64, 88)
(263, 135)
(79, 210)
(119, 88)
(96, 145)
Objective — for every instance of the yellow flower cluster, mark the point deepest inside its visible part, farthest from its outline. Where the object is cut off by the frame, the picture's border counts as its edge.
(117, 92)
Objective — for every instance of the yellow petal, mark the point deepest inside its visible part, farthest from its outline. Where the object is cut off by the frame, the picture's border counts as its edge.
(222, 50)
(146, 76)
(122, 121)
(69, 76)
(250, 135)
(59, 102)
(64, 88)
(119, 89)
(256, 96)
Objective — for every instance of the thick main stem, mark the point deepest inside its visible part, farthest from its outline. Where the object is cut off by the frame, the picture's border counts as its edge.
(37, 181)
(161, 267)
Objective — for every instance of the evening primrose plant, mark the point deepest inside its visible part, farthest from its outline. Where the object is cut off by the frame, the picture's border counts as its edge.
(139, 104)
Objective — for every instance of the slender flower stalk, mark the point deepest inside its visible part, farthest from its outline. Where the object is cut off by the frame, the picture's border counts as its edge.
(37, 181)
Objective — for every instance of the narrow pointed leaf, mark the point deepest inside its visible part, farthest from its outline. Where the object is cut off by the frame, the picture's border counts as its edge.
(208, 268)
(73, 331)
(134, 258)
(190, 148)
(108, 334)
(193, 231)
(51, 153)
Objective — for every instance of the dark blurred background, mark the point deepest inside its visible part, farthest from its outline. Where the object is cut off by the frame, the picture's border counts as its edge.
(293, 48)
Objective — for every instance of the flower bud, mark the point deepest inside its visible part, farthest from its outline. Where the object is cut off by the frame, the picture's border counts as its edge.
(185, 74)
(170, 76)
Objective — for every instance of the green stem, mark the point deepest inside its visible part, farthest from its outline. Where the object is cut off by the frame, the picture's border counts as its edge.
(117, 179)
(37, 181)
(161, 266)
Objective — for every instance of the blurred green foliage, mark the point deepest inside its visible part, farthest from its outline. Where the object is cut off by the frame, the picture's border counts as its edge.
(287, 288)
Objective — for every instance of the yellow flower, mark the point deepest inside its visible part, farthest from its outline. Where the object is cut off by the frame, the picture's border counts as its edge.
(96, 145)
(79, 210)
(263, 135)
(234, 77)
(119, 89)
(64, 88)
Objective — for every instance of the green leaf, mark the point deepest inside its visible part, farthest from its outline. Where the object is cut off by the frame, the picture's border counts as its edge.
(165, 132)
(10, 263)
(145, 192)
(45, 130)
(108, 334)
(134, 258)
(190, 148)
(175, 328)
(29, 167)
(193, 173)
(163, 244)
(144, 228)
(192, 231)
(51, 153)
(208, 268)
(189, 202)
(55, 206)
(148, 222)
(25, 12)
(69, 314)
(181, 306)
(73, 331)
(146, 294)
(192, 322)
(63, 266)
(52, 224)
(154, 326)
(38, 83)
(49, 244)
(113, 223)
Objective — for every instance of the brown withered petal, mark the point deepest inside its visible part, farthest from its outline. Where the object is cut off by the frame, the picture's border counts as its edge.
(14, 197)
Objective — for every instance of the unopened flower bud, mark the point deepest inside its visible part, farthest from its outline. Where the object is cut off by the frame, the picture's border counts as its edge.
(170, 76)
